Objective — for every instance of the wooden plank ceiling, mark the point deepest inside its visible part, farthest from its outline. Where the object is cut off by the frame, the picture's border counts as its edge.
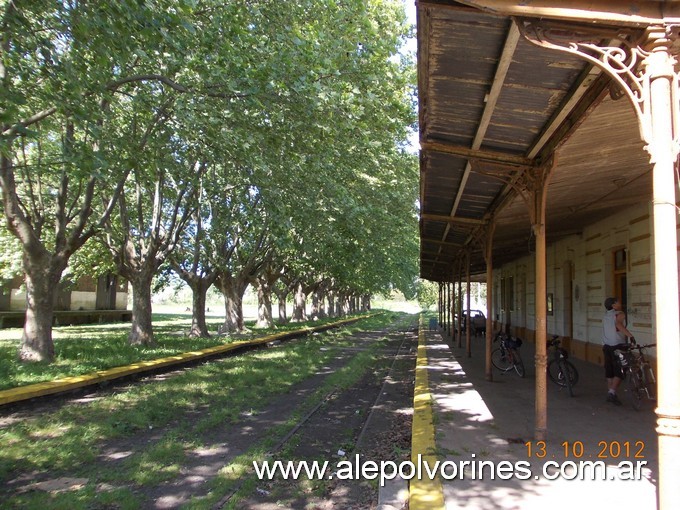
(491, 104)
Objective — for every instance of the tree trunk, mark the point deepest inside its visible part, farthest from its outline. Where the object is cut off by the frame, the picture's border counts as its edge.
(199, 282)
(345, 305)
(352, 305)
(199, 290)
(141, 332)
(299, 309)
(233, 304)
(315, 306)
(42, 280)
(331, 304)
(231, 311)
(339, 312)
(322, 303)
(282, 295)
(42, 269)
(264, 304)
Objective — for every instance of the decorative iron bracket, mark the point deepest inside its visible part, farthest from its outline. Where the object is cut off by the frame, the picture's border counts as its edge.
(620, 54)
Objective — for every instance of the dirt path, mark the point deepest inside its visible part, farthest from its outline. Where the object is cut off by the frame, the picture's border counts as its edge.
(372, 418)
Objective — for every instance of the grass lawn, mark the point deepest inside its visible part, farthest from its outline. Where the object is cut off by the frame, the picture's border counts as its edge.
(72, 441)
(88, 348)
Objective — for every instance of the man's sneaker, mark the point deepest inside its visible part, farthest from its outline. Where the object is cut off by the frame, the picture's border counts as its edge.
(611, 397)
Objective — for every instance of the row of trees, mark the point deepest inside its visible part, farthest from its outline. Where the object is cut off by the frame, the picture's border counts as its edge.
(235, 143)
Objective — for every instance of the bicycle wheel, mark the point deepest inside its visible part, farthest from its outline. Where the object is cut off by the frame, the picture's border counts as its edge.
(635, 388)
(650, 381)
(499, 359)
(518, 363)
(569, 374)
(555, 374)
(563, 373)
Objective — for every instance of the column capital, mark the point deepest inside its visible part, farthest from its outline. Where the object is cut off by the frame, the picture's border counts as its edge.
(633, 58)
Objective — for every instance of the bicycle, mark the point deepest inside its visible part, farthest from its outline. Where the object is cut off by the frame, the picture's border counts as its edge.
(639, 375)
(561, 371)
(506, 356)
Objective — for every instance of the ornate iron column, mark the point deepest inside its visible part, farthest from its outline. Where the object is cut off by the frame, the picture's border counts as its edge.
(460, 303)
(533, 187)
(468, 323)
(644, 68)
(448, 308)
(439, 303)
(531, 183)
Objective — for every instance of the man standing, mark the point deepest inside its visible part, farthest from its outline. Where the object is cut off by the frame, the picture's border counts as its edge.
(614, 333)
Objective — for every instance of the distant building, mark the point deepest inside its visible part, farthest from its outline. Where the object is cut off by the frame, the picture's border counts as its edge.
(88, 300)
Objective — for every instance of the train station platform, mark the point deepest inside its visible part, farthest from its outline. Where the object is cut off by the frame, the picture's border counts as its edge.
(482, 433)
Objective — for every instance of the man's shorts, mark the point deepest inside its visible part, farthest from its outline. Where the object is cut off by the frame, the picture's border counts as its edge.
(612, 367)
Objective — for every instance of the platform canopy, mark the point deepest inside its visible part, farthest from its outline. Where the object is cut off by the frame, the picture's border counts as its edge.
(493, 105)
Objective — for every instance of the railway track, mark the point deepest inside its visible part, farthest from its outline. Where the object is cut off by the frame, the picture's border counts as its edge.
(368, 416)
(366, 419)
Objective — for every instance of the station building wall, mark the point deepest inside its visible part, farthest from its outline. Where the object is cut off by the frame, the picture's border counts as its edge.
(609, 258)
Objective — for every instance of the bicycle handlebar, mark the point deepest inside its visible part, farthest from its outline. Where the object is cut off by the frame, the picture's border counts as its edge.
(553, 341)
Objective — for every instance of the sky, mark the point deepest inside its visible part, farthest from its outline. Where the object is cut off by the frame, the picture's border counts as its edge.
(410, 6)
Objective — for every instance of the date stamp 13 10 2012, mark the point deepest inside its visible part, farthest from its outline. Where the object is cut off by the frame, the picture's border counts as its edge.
(613, 450)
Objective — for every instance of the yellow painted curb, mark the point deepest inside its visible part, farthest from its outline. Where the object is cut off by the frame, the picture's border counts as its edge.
(426, 493)
(71, 383)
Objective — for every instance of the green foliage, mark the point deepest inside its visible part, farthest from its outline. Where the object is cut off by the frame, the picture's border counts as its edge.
(10, 260)
(93, 259)
(283, 125)
(428, 293)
